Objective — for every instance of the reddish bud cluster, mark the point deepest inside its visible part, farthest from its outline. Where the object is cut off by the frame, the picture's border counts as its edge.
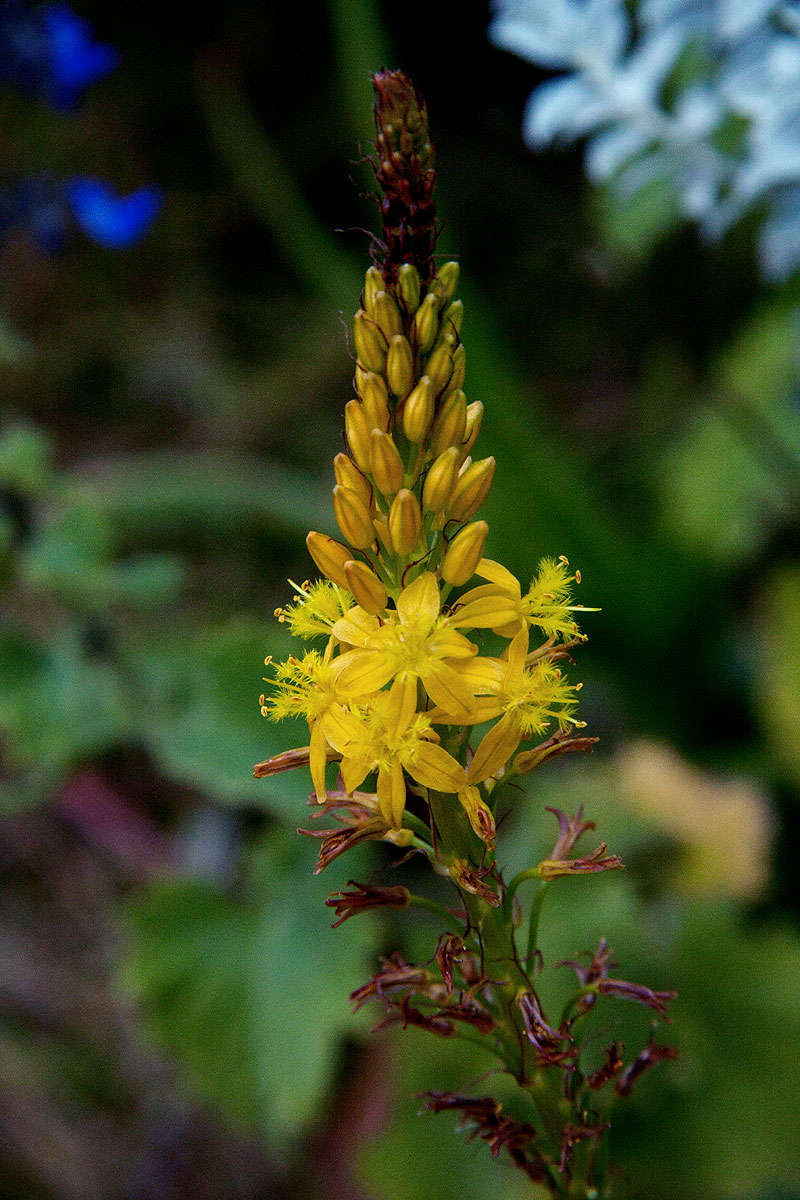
(404, 169)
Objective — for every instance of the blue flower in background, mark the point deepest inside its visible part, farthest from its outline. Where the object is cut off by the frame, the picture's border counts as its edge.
(111, 220)
(49, 209)
(75, 59)
(701, 94)
(50, 50)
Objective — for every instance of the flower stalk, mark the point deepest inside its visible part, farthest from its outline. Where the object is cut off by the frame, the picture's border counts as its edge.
(434, 679)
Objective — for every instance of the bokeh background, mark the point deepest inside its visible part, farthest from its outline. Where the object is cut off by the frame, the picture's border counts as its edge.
(173, 1004)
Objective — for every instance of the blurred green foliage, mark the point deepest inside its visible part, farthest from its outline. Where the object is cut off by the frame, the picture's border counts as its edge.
(168, 423)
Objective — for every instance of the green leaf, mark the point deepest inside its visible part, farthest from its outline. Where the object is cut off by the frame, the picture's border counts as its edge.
(165, 493)
(24, 457)
(200, 718)
(58, 702)
(251, 993)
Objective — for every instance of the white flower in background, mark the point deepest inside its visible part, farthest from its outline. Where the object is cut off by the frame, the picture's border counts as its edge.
(702, 93)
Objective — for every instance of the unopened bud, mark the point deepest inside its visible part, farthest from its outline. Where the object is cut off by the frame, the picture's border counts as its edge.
(471, 489)
(329, 555)
(405, 522)
(372, 390)
(408, 286)
(426, 324)
(464, 553)
(452, 316)
(447, 278)
(348, 475)
(387, 314)
(439, 367)
(418, 410)
(448, 428)
(387, 465)
(459, 367)
(472, 426)
(440, 480)
(369, 592)
(357, 430)
(352, 517)
(373, 283)
(400, 365)
(382, 529)
(370, 342)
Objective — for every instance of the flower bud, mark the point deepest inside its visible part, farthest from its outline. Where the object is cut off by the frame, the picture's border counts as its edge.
(439, 367)
(387, 465)
(408, 285)
(426, 324)
(447, 278)
(448, 428)
(367, 589)
(372, 390)
(464, 553)
(357, 430)
(330, 556)
(382, 528)
(439, 481)
(373, 283)
(352, 517)
(370, 342)
(387, 314)
(348, 475)
(400, 365)
(472, 426)
(418, 410)
(471, 489)
(452, 316)
(459, 367)
(405, 522)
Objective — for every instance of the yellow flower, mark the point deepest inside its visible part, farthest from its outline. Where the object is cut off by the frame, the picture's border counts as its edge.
(415, 640)
(527, 701)
(500, 605)
(316, 608)
(389, 736)
(307, 687)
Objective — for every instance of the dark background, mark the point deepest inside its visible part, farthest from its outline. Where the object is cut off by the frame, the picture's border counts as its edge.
(174, 1007)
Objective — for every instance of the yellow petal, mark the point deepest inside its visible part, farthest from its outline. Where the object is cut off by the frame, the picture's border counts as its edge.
(366, 671)
(318, 760)
(484, 675)
(495, 572)
(446, 643)
(447, 689)
(516, 654)
(476, 593)
(433, 767)
(486, 612)
(392, 795)
(495, 749)
(419, 603)
(355, 627)
(341, 728)
(401, 704)
(355, 771)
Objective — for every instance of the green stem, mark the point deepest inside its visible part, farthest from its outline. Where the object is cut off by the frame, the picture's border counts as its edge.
(411, 821)
(531, 873)
(533, 928)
